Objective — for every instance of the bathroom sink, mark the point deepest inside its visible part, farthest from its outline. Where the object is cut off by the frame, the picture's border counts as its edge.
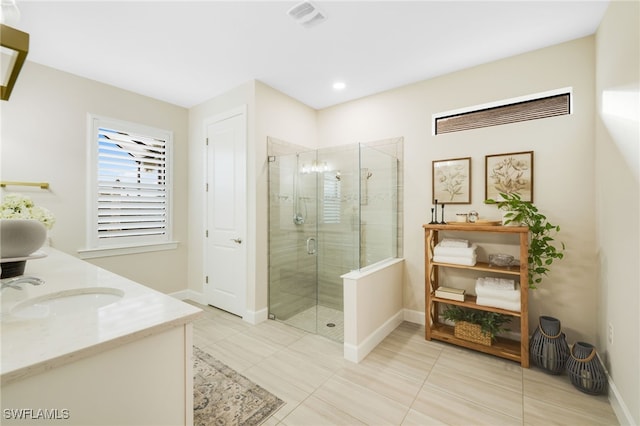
(67, 301)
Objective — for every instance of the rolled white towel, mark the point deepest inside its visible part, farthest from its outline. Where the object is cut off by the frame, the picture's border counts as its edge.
(498, 303)
(439, 250)
(456, 260)
(454, 242)
(506, 295)
(499, 283)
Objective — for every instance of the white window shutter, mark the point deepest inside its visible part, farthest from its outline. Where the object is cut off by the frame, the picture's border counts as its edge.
(132, 185)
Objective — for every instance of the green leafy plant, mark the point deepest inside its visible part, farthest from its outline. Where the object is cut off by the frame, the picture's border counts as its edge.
(542, 251)
(491, 323)
(18, 206)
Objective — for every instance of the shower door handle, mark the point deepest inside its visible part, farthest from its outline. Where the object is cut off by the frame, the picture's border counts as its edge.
(311, 245)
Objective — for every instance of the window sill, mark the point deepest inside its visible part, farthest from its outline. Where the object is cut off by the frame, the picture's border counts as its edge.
(125, 250)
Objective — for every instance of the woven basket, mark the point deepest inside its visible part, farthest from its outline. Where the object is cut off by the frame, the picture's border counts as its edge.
(471, 332)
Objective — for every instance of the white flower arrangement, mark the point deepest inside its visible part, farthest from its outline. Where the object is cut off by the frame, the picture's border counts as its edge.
(18, 206)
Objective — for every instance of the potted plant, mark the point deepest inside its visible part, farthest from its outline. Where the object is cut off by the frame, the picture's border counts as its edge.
(542, 251)
(475, 325)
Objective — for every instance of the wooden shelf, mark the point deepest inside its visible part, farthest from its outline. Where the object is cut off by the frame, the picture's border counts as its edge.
(514, 350)
(477, 228)
(504, 348)
(483, 266)
(470, 302)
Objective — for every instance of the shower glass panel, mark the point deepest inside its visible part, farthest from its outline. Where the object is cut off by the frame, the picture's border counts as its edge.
(293, 240)
(331, 211)
(378, 203)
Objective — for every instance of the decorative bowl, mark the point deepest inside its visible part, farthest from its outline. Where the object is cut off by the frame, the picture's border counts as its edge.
(500, 259)
(20, 237)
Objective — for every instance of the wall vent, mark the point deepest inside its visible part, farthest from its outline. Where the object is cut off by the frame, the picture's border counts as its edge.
(307, 14)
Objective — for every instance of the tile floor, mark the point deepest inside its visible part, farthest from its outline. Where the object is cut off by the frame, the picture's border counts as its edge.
(404, 381)
(317, 319)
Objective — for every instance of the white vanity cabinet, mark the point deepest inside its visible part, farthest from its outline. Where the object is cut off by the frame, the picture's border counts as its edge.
(128, 363)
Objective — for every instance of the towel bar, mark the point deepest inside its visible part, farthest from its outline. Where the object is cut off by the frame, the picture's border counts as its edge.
(42, 185)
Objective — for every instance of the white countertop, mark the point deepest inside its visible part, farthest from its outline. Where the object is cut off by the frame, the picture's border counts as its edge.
(30, 346)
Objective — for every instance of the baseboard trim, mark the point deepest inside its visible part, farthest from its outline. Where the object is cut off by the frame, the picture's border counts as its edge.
(356, 353)
(618, 405)
(416, 317)
(620, 409)
(256, 317)
(189, 295)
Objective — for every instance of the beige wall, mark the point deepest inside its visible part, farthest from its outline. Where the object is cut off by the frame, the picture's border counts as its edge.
(564, 158)
(618, 197)
(240, 96)
(269, 113)
(44, 138)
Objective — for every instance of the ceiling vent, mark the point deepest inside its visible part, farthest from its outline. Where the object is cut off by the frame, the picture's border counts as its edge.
(307, 14)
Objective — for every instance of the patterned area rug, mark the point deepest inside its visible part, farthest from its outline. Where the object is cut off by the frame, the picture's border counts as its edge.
(224, 397)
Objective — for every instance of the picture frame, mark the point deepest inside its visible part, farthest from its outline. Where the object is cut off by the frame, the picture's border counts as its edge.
(509, 173)
(451, 181)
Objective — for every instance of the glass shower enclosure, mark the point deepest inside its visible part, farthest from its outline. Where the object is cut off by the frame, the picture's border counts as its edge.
(331, 211)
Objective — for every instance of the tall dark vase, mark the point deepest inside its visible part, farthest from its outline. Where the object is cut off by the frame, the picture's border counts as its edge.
(548, 348)
(584, 369)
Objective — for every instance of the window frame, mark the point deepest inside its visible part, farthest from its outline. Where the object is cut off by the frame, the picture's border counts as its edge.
(331, 196)
(95, 247)
(505, 103)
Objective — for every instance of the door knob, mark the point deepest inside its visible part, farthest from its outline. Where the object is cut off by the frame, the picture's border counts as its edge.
(237, 240)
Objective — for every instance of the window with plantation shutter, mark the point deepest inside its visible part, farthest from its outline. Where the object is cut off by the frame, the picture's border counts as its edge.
(532, 107)
(331, 198)
(130, 185)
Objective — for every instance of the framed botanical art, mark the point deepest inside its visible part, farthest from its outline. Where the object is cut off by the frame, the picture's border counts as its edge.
(509, 173)
(451, 181)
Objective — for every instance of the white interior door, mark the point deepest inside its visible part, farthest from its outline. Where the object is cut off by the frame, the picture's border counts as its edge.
(226, 247)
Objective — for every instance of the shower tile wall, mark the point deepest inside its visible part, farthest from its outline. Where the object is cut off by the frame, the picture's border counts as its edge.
(338, 241)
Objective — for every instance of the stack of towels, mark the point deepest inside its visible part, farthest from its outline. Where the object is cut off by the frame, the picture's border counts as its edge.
(455, 251)
(498, 292)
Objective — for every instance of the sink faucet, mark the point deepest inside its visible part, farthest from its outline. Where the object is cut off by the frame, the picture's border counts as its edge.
(16, 281)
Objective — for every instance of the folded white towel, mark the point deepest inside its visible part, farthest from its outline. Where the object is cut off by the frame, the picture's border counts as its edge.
(439, 250)
(506, 295)
(453, 242)
(456, 260)
(498, 303)
(499, 283)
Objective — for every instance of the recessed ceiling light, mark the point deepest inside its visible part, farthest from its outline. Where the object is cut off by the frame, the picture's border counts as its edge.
(339, 85)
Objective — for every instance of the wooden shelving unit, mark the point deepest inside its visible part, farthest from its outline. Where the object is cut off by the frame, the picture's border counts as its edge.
(434, 329)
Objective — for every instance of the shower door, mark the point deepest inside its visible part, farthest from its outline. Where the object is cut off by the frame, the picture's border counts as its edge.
(293, 239)
(313, 235)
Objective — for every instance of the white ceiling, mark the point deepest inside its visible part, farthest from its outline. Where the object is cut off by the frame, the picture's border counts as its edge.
(186, 53)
